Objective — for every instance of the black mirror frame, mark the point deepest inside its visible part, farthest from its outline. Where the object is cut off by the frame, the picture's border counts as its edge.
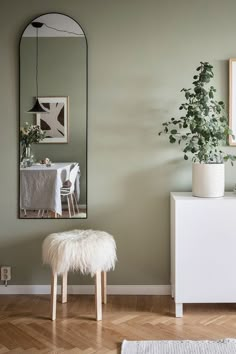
(18, 135)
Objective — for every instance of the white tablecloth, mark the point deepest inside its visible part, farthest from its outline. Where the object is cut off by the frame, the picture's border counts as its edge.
(40, 186)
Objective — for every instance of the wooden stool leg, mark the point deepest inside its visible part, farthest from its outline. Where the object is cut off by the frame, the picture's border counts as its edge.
(98, 296)
(54, 296)
(64, 288)
(104, 287)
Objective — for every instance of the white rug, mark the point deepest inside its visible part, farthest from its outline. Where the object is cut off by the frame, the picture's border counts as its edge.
(223, 346)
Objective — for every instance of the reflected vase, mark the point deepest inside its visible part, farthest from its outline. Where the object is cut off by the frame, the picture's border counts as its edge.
(26, 157)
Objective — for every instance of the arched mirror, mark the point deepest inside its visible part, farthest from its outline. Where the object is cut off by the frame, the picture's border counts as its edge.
(53, 119)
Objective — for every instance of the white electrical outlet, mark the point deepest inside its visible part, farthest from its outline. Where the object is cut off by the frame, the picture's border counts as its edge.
(5, 273)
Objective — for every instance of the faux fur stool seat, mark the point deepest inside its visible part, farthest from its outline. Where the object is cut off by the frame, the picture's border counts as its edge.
(88, 251)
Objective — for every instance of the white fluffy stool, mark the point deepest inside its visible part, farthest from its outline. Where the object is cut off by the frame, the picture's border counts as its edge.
(88, 251)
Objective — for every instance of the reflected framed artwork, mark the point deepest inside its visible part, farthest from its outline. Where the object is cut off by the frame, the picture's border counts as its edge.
(232, 100)
(55, 121)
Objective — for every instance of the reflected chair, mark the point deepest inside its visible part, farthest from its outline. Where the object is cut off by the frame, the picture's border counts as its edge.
(69, 192)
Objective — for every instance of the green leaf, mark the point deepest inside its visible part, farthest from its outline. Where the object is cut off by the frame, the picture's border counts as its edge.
(185, 157)
(173, 131)
(187, 94)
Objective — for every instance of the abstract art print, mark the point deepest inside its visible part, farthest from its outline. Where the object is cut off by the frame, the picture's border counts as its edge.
(55, 121)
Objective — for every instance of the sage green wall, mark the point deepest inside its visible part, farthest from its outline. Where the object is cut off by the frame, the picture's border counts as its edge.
(62, 72)
(141, 53)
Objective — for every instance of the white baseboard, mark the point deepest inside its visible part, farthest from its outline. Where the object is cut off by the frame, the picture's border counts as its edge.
(88, 289)
(82, 206)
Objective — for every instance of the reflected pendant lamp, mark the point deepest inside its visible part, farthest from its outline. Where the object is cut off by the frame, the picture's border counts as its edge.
(37, 108)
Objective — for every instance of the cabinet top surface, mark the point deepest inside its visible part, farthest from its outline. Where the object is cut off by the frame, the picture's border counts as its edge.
(189, 196)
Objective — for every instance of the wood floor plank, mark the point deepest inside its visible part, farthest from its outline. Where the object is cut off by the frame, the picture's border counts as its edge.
(50, 334)
(3, 350)
(25, 326)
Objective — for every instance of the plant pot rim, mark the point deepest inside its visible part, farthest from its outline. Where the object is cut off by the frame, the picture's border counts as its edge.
(208, 163)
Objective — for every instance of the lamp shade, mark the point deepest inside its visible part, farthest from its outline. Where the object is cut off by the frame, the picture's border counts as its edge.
(37, 108)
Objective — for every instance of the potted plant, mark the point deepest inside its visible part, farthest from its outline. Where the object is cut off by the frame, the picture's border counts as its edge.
(202, 129)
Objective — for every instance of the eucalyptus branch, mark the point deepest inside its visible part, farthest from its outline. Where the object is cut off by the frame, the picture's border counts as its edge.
(203, 128)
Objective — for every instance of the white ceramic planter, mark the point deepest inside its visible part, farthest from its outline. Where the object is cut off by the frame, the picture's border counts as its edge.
(208, 180)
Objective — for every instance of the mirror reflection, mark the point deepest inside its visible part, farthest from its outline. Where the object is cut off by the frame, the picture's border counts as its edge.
(53, 119)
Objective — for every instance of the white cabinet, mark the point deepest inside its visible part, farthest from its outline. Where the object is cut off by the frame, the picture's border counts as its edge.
(203, 249)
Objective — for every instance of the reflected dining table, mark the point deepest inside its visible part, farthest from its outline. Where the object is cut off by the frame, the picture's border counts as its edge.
(40, 186)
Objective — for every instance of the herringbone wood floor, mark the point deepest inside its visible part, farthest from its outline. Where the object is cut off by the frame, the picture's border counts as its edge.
(26, 328)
